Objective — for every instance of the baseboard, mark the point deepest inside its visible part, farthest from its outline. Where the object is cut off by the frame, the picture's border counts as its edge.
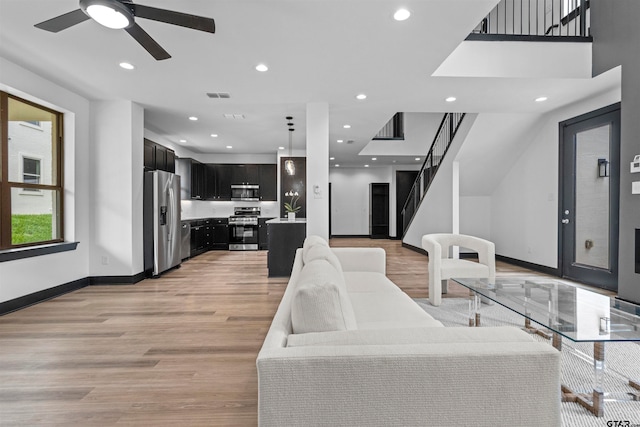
(47, 294)
(40, 296)
(630, 301)
(415, 249)
(349, 236)
(531, 266)
(117, 280)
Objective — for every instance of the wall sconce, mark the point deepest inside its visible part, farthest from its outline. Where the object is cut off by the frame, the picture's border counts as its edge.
(603, 168)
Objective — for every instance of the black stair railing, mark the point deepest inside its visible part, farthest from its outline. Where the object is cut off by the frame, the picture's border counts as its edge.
(441, 143)
(535, 20)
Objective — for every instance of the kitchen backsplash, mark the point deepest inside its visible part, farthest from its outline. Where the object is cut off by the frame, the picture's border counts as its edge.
(195, 209)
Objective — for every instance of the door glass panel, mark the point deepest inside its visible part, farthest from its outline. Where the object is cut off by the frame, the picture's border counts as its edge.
(592, 198)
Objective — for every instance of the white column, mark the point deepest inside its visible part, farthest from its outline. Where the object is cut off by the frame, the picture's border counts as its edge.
(455, 205)
(318, 169)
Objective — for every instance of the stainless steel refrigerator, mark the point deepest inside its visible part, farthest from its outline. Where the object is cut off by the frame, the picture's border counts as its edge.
(161, 222)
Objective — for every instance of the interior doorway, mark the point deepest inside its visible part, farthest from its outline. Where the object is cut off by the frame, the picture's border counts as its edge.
(589, 197)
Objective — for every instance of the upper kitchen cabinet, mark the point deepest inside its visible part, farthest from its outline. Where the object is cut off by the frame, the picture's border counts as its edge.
(268, 182)
(196, 180)
(245, 174)
(157, 157)
(223, 177)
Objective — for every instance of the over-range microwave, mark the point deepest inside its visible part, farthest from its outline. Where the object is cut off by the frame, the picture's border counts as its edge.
(245, 192)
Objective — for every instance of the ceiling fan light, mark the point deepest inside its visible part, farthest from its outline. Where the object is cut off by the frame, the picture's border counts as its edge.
(109, 13)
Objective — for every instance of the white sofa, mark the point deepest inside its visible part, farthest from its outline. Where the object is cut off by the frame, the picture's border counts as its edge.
(348, 348)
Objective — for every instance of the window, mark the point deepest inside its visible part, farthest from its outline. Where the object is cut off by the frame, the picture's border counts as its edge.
(26, 220)
(30, 172)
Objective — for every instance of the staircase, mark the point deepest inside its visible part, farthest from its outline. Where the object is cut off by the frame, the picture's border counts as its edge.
(444, 137)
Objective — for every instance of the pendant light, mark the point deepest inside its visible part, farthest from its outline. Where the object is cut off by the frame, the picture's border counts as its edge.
(289, 166)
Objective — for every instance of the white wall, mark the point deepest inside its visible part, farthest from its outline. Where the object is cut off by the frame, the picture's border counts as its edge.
(317, 169)
(350, 198)
(524, 205)
(26, 276)
(116, 197)
(475, 216)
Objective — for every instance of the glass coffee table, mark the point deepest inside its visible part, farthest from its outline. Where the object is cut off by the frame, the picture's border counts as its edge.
(564, 311)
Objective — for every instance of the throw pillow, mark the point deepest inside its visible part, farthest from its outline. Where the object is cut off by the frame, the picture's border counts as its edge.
(320, 302)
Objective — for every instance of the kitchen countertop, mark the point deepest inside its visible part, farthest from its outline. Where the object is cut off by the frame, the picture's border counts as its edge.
(286, 221)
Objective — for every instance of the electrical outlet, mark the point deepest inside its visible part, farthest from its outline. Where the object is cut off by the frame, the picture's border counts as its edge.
(105, 260)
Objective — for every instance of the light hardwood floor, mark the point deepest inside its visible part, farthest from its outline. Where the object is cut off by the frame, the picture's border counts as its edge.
(178, 350)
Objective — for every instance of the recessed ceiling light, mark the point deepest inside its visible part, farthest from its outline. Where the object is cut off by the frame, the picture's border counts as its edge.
(193, 118)
(127, 66)
(280, 148)
(450, 99)
(214, 135)
(339, 141)
(361, 96)
(183, 140)
(401, 15)
(374, 158)
(332, 158)
(347, 126)
(262, 68)
(418, 158)
(393, 161)
(337, 166)
(366, 166)
(541, 99)
(229, 146)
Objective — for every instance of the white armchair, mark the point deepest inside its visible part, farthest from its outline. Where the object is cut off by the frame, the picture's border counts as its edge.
(442, 267)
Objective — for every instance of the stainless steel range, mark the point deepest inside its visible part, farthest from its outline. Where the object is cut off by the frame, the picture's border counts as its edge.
(243, 229)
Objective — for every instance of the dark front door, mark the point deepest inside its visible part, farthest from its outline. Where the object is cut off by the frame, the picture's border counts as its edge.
(404, 182)
(589, 197)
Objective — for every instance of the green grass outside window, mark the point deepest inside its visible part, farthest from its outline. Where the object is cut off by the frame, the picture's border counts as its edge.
(30, 228)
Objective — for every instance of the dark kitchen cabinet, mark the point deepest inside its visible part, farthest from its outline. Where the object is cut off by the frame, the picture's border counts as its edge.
(268, 182)
(284, 238)
(198, 237)
(220, 233)
(183, 168)
(379, 210)
(158, 157)
(263, 236)
(197, 180)
(245, 174)
(223, 176)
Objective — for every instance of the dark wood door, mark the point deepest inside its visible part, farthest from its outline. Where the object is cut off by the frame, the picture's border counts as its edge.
(379, 210)
(404, 182)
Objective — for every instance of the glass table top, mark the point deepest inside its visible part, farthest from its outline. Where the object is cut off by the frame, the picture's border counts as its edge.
(575, 313)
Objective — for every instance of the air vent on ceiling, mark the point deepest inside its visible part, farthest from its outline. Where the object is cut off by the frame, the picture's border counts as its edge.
(233, 116)
(350, 141)
(217, 95)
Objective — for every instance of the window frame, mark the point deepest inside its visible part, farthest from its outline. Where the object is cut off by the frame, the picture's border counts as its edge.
(23, 157)
(6, 186)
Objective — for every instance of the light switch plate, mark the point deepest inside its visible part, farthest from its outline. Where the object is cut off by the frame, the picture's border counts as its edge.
(635, 187)
(635, 165)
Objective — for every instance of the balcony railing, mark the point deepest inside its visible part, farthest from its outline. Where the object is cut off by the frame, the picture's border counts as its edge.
(394, 129)
(549, 20)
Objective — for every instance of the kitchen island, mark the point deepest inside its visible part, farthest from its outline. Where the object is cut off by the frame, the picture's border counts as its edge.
(284, 238)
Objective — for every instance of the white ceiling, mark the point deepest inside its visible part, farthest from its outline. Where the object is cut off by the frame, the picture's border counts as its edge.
(316, 50)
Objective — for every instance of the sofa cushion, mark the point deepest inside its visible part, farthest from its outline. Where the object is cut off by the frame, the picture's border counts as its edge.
(320, 251)
(312, 241)
(388, 310)
(366, 281)
(320, 301)
(404, 336)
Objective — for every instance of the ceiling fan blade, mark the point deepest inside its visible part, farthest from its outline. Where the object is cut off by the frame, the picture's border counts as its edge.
(147, 42)
(176, 18)
(63, 22)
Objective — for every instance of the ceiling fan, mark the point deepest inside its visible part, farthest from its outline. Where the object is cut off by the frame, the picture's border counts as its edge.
(121, 14)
